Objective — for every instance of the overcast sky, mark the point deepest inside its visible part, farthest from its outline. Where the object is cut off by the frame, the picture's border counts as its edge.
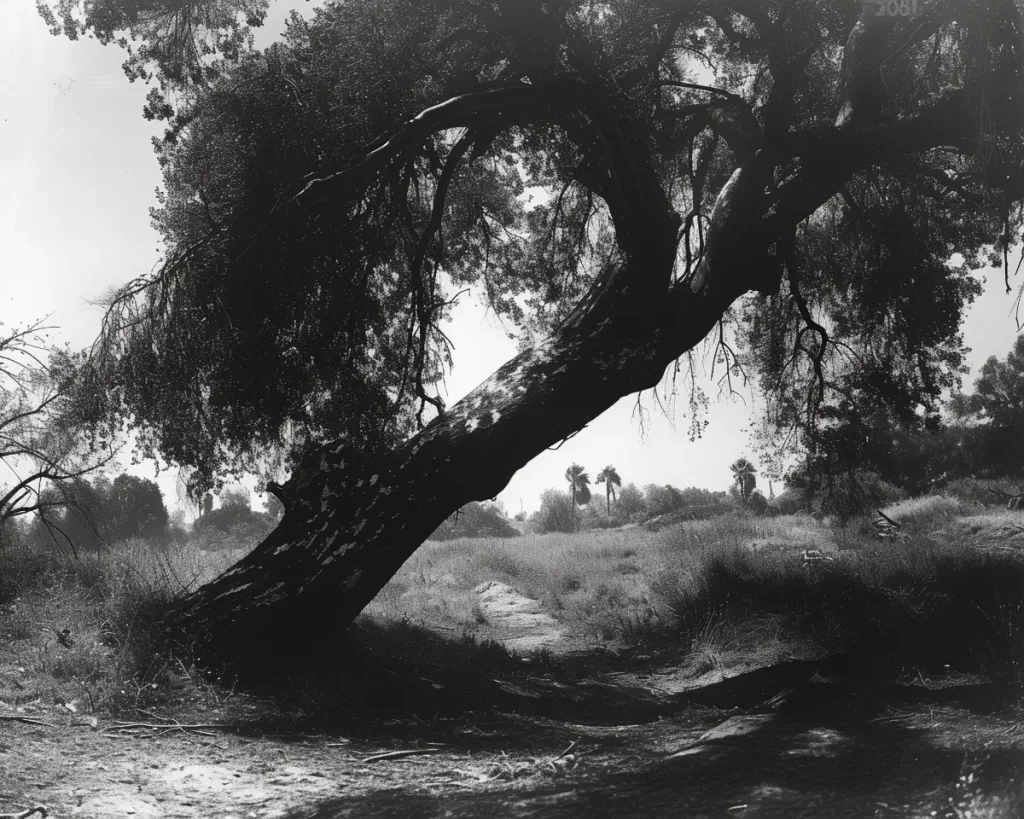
(77, 179)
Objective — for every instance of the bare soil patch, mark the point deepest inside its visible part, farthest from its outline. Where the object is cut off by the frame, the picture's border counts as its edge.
(523, 623)
(781, 741)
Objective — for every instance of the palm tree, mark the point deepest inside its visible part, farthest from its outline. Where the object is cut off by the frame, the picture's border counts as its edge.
(579, 483)
(610, 478)
(745, 476)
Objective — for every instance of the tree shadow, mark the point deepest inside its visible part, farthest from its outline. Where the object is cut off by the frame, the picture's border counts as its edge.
(820, 759)
(422, 685)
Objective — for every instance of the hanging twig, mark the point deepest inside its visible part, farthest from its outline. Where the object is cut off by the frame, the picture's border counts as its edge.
(567, 438)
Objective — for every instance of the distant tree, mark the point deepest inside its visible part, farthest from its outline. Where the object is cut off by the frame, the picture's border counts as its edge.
(662, 499)
(997, 404)
(234, 497)
(579, 488)
(704, 500)
(178, 525)
(631, 503)
(45, 455)
(757, 502)
(476, 520)
(233, 521)
(999, 389)
(78, 516)
(134, 507)
(791, 501)
(272, 506)
(844, 494)
(610, 478)
(557, 512)
(744, 477)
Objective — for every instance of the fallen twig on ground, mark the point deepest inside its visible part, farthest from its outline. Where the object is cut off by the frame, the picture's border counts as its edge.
(26, 719)
(159, 728)
(402, 754)
(26, 813)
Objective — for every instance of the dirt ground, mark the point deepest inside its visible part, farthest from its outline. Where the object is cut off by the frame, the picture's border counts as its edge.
(787, 740)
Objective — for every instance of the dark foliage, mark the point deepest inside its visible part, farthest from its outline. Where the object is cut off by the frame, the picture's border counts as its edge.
(225, 363)
(475, 520)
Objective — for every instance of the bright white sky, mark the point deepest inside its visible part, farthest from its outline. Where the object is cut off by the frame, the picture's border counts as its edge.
(78, 177)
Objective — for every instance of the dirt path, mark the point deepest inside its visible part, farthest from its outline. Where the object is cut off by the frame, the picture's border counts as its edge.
(524, 624)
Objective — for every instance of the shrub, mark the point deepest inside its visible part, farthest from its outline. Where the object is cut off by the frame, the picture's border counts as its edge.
(988, 491)
(792, 501)
(475, 520)
(923, 511)
(555, 513)
(850, 494)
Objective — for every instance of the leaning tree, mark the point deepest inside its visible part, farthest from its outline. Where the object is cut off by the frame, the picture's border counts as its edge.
(809, 183)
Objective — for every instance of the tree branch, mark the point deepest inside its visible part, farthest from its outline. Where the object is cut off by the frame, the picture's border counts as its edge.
(635, 75)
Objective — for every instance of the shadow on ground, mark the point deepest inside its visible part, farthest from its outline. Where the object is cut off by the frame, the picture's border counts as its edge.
(832, 761)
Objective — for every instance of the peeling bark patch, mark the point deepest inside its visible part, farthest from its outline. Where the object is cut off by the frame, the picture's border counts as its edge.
(235, 590)
(351, 580)
(270, 595)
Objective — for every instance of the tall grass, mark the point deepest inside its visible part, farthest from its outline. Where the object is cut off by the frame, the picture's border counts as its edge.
(739, 585)
(719, 590)
(84, 626)
(935, 609)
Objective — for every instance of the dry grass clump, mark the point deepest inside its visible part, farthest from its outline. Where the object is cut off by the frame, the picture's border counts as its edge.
(739, 585)
(934, 608)
(83, 627)
(929, 510)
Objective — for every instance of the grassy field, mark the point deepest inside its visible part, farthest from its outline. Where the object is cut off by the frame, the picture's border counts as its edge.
(945, 596)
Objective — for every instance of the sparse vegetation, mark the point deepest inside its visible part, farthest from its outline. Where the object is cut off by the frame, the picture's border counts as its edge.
(709, 598)
(940, 599)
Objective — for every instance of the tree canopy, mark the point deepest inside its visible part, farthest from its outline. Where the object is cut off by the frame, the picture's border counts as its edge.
(325, 198)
